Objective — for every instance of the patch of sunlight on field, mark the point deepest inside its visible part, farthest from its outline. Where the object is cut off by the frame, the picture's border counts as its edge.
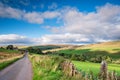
(111, 47)
(95, 67)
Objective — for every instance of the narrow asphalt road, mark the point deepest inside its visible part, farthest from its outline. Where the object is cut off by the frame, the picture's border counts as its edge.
(20, 70)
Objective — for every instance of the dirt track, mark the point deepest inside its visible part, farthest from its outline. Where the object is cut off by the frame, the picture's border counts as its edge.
(20, 70)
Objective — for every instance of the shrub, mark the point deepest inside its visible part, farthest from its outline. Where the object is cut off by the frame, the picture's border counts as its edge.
(10, 47)
(36, 50)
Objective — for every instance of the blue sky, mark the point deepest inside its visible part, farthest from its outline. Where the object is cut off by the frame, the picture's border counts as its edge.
(37, 22)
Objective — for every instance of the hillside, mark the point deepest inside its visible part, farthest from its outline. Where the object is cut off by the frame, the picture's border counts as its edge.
(111, 47)
(93, 52)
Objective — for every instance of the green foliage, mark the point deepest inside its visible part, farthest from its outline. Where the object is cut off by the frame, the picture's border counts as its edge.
(10, 47)
(47, 47)
(34, 50)
(88, 55)
(46, 67)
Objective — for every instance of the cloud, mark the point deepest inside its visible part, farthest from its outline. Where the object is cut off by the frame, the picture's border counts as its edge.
(34, 17)
(102, 25)
(9, 12)
(31, 17)
(14, 39)
(62, 38)
(50, 14)
(77, 27)
(46, 39)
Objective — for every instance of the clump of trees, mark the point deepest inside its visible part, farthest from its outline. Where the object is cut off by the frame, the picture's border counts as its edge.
(11, 47)
(87, 57)
(34, 50)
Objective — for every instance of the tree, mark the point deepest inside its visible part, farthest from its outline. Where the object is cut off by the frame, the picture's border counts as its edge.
(10, 47)
(30, 49)
(38, 51)
(34, 50)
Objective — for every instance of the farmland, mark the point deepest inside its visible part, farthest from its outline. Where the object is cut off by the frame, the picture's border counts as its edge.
(8, 57)
(95, 67)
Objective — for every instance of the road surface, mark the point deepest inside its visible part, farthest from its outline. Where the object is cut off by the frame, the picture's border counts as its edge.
(20, 70)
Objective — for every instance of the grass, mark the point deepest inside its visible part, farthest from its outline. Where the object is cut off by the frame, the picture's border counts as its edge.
(7, 63)
(47, 67)
(91, 53)
(108, 47)
(47, 47)
(8, 51)
(95, 67)
(111, 47)
(8, 57)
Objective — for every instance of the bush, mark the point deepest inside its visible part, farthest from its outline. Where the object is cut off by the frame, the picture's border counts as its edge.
(36, 50)
(10, 47)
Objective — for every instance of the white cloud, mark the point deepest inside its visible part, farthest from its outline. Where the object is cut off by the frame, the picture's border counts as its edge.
(31, 17)
(50, 14)
(34, 17)
(14, 39)
(9, 12)
(104, 24)
(62, 38)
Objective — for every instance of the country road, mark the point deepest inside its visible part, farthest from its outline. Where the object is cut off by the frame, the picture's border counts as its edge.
(20, 70)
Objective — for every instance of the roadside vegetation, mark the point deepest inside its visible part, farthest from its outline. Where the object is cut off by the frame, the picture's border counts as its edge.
(47, 67)
(9, 55)
(52, 67)
(7, 63)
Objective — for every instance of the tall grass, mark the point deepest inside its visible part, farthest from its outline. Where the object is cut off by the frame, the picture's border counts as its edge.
(46, 67)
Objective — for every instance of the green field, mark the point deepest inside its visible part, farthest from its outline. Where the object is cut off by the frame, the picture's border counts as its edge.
(95, 67)
(46, 47)
(108, 49)
(8, 51)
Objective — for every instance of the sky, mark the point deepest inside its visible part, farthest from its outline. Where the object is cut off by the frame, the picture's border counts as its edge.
(36, 22)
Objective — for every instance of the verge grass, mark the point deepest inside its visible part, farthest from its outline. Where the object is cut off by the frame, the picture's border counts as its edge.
(47, 67)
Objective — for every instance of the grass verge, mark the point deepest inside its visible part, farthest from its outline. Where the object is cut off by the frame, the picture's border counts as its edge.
(47, 67)
(7, 63)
